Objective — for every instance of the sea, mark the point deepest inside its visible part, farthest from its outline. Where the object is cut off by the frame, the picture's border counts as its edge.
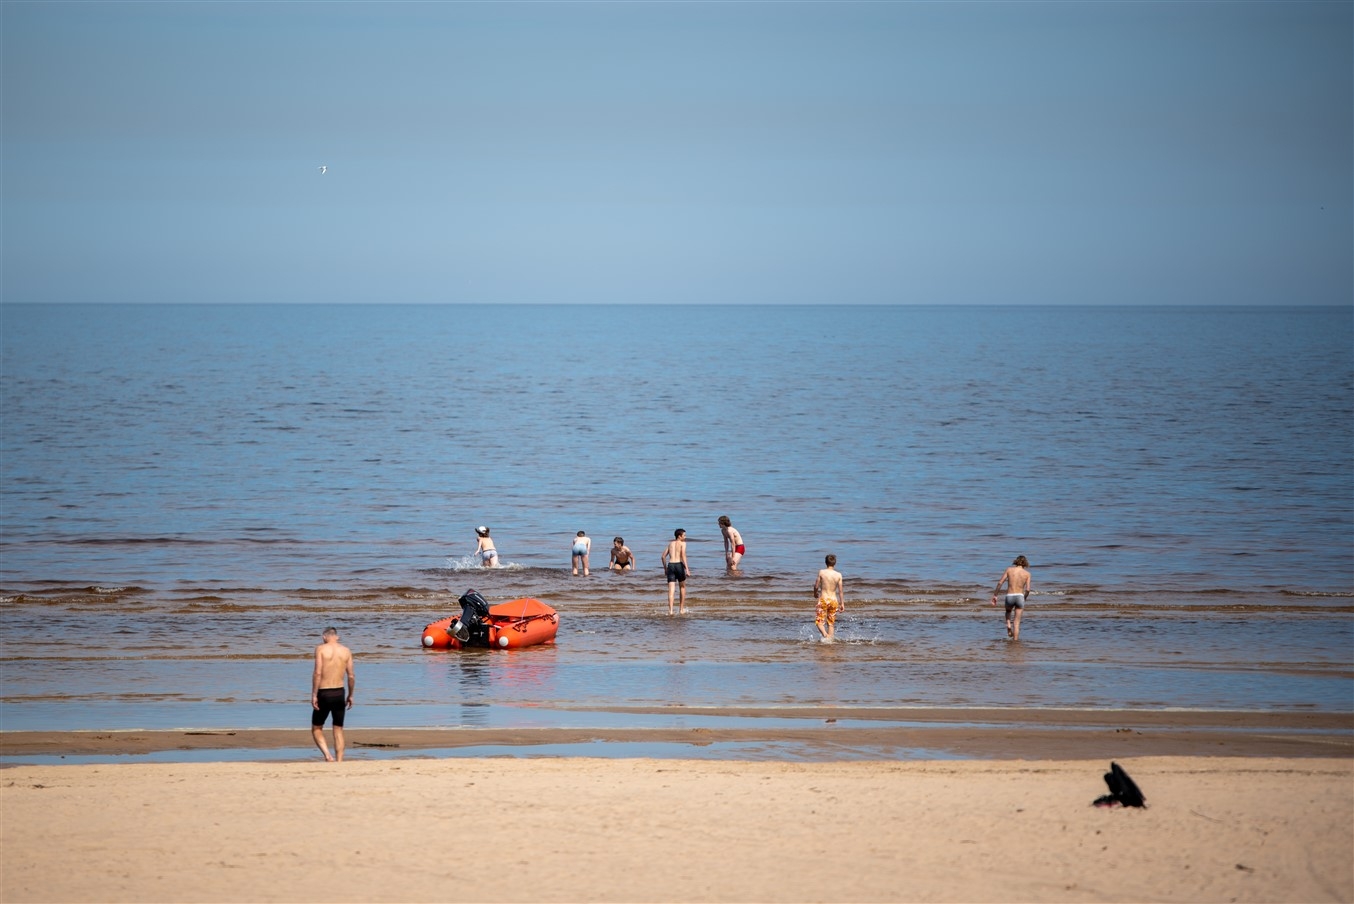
(190, 494)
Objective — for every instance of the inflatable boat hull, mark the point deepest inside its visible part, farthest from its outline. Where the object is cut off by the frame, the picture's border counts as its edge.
(516, 623)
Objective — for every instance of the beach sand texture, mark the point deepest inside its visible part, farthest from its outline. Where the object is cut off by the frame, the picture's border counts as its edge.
(1216, 829)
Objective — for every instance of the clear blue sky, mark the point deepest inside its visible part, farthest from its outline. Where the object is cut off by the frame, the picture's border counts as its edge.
(953, 152)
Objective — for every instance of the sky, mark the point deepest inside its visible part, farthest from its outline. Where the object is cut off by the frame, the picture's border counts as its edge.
(696, 152)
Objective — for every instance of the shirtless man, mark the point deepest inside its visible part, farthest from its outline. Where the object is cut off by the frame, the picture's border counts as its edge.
(1017, 581)
(831, 599)
(622, 559)
(676, 568)
(333, 661)
(733, 543)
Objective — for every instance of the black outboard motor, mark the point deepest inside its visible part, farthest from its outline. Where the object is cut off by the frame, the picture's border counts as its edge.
(474, 608)
(474, 612)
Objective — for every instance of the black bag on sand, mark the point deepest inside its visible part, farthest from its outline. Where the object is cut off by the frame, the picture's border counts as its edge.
(1123, 790)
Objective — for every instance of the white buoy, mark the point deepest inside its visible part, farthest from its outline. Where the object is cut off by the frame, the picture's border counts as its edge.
(503, 642)
(427, 640)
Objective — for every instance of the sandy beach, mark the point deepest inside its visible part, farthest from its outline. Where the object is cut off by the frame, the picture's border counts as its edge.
(507, 829)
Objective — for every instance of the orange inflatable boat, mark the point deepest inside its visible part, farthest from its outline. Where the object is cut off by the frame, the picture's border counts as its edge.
(516, 623)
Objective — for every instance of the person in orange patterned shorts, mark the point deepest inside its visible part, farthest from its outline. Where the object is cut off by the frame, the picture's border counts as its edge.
(831, 599)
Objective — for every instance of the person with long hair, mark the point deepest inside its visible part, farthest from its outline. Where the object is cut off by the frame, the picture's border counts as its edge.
(1017, 581)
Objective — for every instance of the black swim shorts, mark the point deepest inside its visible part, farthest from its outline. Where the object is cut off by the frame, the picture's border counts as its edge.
(332, 701)
(676, 573)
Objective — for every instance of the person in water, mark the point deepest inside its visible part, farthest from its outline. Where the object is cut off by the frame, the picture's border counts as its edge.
(485, 548)
(675, 567)
(333, 662)
(582, 547)
(831, 599)
(622, 559)
(733, 543)
(1017, 581)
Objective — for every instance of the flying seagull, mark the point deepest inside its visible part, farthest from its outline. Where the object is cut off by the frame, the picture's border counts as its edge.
(323, 170)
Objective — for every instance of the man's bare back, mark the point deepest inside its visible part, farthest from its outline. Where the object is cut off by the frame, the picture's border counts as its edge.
(1016, 579)
(333, 662)
(676, 552)
(829, 583)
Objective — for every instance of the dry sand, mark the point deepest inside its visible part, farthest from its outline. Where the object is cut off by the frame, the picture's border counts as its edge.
(1216, 829)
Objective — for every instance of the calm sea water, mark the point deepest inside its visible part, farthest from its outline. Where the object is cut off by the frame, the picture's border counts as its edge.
(190, 493)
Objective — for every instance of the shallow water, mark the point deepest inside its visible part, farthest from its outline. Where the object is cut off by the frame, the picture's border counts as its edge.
(249, 667)
(191, 494)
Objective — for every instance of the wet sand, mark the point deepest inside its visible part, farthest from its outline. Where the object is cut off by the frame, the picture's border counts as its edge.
(872, 733)
(513, 829)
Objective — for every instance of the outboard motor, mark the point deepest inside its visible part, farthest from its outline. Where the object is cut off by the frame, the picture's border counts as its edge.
(474, 608)
(474, 612)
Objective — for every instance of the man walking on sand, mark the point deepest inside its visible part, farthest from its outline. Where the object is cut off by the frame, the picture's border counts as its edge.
(1017, 581)
(675, 567)
(831, 599)
(333, 662)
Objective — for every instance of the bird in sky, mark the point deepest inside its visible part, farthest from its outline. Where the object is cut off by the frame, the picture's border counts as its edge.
(323, 170)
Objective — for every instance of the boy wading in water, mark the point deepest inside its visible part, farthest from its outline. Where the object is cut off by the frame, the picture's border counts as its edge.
(333, 662)
(831, 599)
(622, 559)
(1017, 581)
(675, 567)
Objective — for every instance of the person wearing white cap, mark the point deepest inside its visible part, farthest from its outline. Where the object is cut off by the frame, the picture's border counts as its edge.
(485, 548)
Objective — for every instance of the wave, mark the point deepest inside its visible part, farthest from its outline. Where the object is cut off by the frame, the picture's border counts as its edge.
(472, 563)
(438, 588)
(159, 541)
(132, 541)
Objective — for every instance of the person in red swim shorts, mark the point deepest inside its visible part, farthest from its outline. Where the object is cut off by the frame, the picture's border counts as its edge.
(733, 543)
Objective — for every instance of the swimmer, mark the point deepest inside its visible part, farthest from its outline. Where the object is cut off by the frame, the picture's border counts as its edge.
(484, 548)
(622, 559)
(1017, 581)
(582, 546)
(831, 599)
(733, 543)
(333, 662)
(675, 567)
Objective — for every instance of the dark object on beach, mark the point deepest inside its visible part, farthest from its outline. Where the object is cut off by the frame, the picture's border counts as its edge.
(1123, 791)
